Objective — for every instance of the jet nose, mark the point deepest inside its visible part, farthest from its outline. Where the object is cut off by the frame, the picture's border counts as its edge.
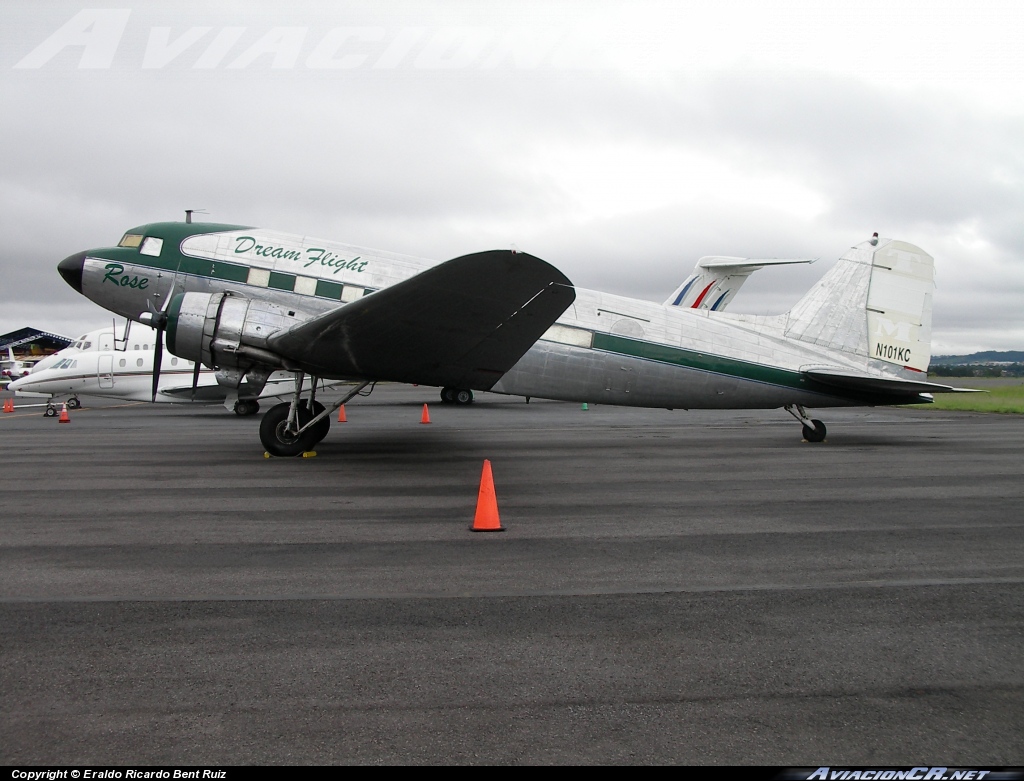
(71, 269)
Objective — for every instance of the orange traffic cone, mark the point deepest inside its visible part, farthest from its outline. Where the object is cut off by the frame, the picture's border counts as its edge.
(8, 405)
(486, 518)
(64, 418)
(341, 414)
(425, 417)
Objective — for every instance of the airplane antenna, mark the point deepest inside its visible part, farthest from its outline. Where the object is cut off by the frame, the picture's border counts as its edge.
(190, 212)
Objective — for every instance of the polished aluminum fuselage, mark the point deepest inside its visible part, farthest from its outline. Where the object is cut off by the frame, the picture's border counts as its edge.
(603, 349)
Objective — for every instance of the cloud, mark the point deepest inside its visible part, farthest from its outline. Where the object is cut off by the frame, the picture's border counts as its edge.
(641, 140)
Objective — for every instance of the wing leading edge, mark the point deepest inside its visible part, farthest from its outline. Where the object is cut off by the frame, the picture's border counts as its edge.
(463, 323)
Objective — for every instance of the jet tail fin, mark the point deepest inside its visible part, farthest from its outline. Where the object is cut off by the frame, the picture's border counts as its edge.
(875, 303)
(716, 279)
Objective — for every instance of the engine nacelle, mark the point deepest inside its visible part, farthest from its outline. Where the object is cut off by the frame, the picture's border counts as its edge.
(228, 333)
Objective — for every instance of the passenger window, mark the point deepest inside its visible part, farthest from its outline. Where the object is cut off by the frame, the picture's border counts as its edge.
(152, 246)
(174, 361)
(123, 362)
(138, 362)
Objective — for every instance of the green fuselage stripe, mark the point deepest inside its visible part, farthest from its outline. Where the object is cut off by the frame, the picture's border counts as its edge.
(676, 356)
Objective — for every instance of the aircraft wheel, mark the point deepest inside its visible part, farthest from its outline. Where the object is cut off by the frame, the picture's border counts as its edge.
(321, 429)
(278, 441)
(447, 395)
(463, 397)
(245, 407)
(51, 412)
(816, 434)
(74, 403)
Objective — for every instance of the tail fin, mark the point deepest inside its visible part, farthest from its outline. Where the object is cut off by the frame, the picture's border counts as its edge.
(876, 302)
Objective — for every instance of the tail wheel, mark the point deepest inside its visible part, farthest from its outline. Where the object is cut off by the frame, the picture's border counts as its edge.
(275, 437)
(816, 434)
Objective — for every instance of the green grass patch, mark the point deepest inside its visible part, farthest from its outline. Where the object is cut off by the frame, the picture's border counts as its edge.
(1004, 395)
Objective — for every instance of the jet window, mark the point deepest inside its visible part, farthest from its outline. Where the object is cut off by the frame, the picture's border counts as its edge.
(123, 362)
(152, 246)
(174, 361)
(130, 240)
(138, 362)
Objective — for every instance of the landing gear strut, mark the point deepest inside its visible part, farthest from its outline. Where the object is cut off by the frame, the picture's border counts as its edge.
(294, 427)
(813, 430)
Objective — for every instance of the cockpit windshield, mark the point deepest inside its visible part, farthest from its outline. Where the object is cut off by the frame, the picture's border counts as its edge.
(130, 240)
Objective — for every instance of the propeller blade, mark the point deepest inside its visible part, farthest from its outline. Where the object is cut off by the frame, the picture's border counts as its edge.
(195, 378)
(158, 357)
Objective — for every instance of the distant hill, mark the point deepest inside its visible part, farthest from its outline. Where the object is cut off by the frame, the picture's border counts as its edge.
(988, 356)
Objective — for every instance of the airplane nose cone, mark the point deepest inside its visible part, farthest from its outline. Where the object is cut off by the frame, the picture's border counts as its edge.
(71, 269)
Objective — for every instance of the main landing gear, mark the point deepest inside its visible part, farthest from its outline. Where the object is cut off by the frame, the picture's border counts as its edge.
(53, 409)
(296, 426)
(813, 430)
(456, 396)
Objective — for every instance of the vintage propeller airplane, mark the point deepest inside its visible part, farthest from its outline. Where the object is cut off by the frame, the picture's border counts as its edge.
(247, 302)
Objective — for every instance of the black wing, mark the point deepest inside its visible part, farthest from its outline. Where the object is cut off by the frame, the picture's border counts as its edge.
(463, 324)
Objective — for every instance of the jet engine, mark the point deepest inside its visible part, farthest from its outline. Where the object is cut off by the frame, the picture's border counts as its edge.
(228, 333)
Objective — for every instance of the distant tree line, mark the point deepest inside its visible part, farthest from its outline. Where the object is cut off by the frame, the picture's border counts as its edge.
(977, 370)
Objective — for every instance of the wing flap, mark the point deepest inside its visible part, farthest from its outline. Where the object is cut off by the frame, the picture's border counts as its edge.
(463, 323)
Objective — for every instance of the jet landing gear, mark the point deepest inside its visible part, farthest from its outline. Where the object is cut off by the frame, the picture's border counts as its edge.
(813, 430)
(53, 408)
(458, 396)
(296, 426)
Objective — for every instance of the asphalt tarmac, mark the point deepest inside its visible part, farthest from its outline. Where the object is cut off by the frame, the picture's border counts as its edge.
(673, 587)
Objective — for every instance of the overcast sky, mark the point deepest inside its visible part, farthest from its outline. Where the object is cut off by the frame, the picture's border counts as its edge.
(618, 141)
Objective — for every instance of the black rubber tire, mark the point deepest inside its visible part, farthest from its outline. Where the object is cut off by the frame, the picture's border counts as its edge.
(463, 397)
(321, 429)
(816, 434)
(447, 395)
(51, 412)
(246, 407)
(273, 436)
(74, 403)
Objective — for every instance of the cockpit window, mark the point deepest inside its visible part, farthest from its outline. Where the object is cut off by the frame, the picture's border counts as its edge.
(130, 240)
(152, 246)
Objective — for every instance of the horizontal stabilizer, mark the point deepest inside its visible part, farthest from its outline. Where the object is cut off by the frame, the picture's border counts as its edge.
(722, 262)
(870, 383)
(716, 279)
(462, 324)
